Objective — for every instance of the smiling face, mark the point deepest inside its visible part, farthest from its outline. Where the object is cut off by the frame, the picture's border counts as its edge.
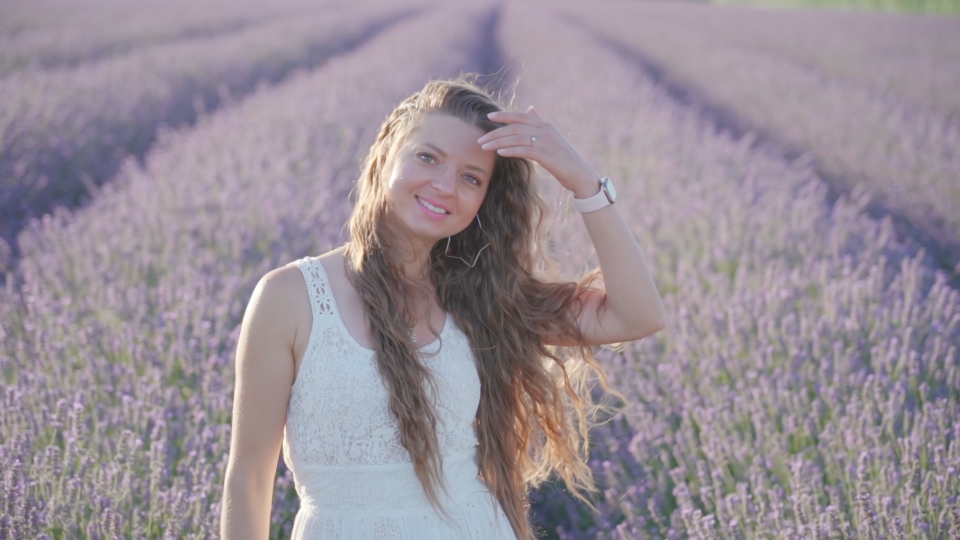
(439, 178)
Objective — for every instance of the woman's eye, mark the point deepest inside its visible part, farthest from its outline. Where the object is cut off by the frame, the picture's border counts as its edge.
(473, 179)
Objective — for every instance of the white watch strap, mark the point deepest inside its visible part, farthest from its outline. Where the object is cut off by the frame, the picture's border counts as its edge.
(591, 204)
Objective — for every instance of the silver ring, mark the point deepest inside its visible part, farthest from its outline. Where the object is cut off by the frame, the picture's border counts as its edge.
(533, 139)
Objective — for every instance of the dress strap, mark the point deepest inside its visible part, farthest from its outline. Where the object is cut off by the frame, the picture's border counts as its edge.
(321, 298)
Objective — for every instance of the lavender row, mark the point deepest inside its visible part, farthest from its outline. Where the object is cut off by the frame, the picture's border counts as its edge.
(44, 34)
(807, 384)
(66, 131)
(857, 128)
(121, 321)
(907, 56)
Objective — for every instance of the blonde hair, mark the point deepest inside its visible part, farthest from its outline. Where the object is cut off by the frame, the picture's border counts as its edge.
(536, 407)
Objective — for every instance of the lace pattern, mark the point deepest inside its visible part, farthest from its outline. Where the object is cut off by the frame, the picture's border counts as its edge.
(338, 414)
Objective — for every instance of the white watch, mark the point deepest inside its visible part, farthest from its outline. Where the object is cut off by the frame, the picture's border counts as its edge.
(604, 197)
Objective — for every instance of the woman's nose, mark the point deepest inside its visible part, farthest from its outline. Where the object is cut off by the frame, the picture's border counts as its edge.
(445, 181)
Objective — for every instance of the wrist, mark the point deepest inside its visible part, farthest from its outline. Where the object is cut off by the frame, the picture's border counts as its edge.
(603, 197)
(586, 189)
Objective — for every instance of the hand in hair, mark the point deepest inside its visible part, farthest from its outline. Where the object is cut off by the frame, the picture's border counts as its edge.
(629, 307)
(527, 135)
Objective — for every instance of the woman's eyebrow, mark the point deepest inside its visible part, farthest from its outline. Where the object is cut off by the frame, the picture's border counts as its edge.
(444, 154)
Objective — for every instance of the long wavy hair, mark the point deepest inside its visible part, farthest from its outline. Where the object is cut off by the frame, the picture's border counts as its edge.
(536, 406)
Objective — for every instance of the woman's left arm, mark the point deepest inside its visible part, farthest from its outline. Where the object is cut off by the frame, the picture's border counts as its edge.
(630, 307)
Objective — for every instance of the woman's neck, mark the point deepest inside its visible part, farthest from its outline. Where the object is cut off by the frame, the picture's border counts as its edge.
(414, 261)
(414, 258)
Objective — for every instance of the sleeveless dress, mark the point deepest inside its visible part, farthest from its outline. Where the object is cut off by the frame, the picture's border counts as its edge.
(353, 477)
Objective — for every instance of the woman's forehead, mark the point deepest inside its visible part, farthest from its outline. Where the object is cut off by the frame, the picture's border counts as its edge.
(440, 123)
(450, 133)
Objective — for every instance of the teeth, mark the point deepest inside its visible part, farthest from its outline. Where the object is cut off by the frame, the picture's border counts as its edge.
(432, 207)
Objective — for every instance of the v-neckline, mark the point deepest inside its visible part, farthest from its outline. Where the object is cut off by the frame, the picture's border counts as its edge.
(343, 327)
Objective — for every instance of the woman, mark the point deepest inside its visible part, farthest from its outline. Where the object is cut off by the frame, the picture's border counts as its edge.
(422, 377)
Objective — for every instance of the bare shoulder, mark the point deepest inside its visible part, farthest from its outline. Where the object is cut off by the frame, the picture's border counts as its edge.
(333, 262)
(281, 286)
(285, 290)
(280, 300)
(285, 286)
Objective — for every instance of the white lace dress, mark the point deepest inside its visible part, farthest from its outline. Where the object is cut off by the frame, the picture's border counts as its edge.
(354, 478)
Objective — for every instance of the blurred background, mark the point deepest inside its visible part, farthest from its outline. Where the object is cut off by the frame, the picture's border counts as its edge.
(791, 169)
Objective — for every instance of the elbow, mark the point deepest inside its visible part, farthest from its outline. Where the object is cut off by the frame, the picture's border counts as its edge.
(659, 326)
(245, 508)
(652, 328)
(647, 326)
(658, 321)
(637, 324)
(641, 328)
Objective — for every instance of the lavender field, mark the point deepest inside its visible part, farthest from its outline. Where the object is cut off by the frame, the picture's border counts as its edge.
(67, 130)
(871, 96)
(42, 34)
(807, 383)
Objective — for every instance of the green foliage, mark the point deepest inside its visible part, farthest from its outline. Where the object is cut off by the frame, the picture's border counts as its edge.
(933, 7)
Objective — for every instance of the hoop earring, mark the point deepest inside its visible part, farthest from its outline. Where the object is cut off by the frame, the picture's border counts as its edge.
(446, 252)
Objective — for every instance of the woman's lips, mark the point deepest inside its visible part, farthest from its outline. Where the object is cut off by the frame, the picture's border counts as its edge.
(431, 212)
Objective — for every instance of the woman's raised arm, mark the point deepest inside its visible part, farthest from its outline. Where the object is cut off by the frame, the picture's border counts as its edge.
(630, 308)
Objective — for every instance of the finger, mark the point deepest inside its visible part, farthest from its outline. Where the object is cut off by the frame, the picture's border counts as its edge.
(529, 152)
(508, 141)
(508, 130)
(532, 111)
(514, 118)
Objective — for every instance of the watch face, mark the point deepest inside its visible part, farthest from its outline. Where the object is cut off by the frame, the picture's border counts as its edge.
(609, 190)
